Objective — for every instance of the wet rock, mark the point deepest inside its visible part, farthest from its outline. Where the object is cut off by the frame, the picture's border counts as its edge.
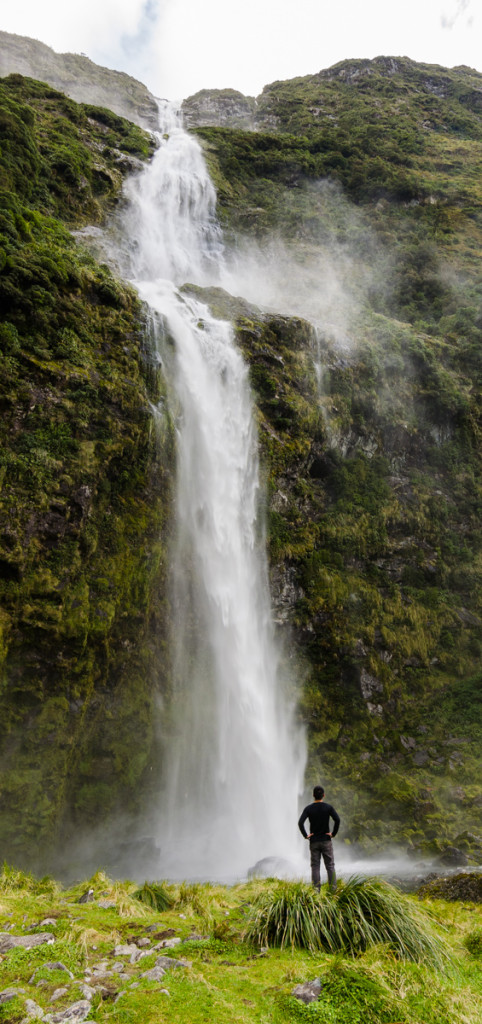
(272, 867)
(308, 992)
(465, 886)
(453, 856)
(408, 742)
(369, 685)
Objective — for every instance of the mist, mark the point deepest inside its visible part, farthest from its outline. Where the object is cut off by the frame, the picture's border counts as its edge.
(324, 275)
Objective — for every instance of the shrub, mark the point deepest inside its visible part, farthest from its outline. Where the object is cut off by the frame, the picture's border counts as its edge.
(473, 942)
(360, 914)
(155, 895)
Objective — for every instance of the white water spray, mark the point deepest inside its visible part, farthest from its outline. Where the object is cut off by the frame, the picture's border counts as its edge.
(233, 759)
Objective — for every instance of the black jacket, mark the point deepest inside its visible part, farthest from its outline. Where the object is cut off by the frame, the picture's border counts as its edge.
(319, 814)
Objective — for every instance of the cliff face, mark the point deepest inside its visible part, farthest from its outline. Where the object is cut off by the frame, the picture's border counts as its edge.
(79, 78)
(84, 496)
(356, 201)
(354, 196)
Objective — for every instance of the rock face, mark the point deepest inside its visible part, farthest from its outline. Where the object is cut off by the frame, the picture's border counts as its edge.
(221, 107)
(82, 500)
(78, 77)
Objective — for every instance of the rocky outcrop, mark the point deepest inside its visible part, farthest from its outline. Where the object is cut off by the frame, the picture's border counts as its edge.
(78, 77)
(221, 107)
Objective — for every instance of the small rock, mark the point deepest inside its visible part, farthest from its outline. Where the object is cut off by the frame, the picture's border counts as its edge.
(106, 904)
(33, 1009)
(59, 992)
(48, 921)
(87, 991)
(308, 992)
(143, 942)
(87, 896)
(167, 944)
(75, 1013)
(126, 950)
(155, 974)
(136, 957)
(168, 963)
(10, 993)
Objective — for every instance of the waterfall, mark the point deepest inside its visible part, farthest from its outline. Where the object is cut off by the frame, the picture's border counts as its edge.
(233, 759)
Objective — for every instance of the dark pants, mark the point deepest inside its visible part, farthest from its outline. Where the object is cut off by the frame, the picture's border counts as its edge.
(324, 849)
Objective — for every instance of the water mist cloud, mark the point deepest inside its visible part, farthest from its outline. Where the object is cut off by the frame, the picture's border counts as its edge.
(324, 277)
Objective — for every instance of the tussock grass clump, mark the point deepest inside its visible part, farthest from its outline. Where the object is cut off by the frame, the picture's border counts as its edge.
(14, 882)
(360, 914)
(204, 900)
(155, 895)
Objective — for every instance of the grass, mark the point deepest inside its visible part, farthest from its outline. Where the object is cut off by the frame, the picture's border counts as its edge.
(154, 895)
(228, 978)
(362, 913)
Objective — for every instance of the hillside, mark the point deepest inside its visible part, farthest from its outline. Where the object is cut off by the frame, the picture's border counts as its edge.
(79, 78)
(371, 426)
(351, 199)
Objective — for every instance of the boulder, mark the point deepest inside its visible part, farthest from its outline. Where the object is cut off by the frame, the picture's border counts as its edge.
(308, 992)
(8, 941)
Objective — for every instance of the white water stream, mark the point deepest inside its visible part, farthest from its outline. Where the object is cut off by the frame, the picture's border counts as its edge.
(233, 759)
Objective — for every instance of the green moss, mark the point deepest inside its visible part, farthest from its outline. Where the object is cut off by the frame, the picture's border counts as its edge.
(85, 487)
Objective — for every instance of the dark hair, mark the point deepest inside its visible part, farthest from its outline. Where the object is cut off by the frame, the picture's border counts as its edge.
(318, 792)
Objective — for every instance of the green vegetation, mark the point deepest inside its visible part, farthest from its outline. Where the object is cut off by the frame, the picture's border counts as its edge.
(373, 462)
(223, 976)
(84, 498)
(368, 176)
(360, 914)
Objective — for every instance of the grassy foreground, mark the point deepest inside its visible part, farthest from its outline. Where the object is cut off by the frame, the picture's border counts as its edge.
(225, 975)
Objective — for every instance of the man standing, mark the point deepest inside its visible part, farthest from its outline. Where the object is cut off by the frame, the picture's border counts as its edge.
(319, 814)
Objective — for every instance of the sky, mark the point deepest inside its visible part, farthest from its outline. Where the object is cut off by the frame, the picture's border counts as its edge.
(179, 46)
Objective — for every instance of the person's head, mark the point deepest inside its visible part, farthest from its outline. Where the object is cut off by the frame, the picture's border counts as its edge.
(318, 792)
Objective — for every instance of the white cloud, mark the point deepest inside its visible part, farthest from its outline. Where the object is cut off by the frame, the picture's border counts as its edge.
(180, 46)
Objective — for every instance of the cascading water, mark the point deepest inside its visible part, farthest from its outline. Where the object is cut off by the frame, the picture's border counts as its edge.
(233, 759)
